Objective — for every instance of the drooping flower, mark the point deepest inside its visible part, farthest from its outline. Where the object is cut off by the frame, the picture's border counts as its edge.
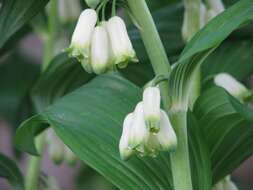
(138, 130)
(125, 150)
(100, 55)
(81, 38)
(137, 139)
(151, 106)
(231, 85)
(121, 46)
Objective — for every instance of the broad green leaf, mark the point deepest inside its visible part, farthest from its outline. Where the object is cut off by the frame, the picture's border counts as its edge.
(14, 14)
(17, 74)
(233, 57)
(89, 121)
(10, 171)
(63, 75)
(228, 129)
(202, 44)
(199, 155)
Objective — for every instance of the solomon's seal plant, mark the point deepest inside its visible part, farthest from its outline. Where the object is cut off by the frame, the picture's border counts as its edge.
(180, 119)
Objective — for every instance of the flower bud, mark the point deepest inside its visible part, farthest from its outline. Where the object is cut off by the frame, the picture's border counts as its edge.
(92, 3)
(124, 149)
(138, 131)
(231, 85)
(122, 49)
(81, 38)
(100, 55)
(151, 106)
(166, 136)
(216, 5)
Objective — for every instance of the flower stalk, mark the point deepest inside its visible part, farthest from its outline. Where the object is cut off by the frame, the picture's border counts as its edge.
(180, 159)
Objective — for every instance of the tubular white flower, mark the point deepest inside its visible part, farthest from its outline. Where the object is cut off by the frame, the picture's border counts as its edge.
(81, 38)
(231, 85)
(100, 55)
(122, 49)
(151, 107)
(139, 130)
(166, 136)
(216, 5)
(92, 3)
(124, 149)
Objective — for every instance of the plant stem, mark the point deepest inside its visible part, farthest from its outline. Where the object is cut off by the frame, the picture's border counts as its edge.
(52, 34)
(180, 162)
(180, 159)
(153, 44)
(33, 167)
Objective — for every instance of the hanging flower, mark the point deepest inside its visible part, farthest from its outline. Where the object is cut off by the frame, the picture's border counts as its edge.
(100, 55)
(121, 46)
(81, 38)
(231, 85)
(225, 184)
(136, 136)
(151, 105)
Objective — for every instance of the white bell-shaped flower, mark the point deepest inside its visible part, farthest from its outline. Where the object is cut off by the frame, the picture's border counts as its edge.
(166, 136)
(124, 149)
(100, 55)
(139, 131)
(122, 49)
(231, 85)
(151, 107)
(81, 38)
(216, 5)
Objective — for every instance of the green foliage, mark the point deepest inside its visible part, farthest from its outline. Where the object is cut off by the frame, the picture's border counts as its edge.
(14, 14)
(10, 171)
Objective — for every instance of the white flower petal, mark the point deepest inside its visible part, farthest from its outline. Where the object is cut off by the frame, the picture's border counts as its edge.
(139, 130)
(122, 49)
(100, 55)
(151, 106)
(166, 136)
(125, 151)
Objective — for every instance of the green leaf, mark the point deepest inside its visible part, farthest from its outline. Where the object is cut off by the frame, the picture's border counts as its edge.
(89, 121)
(10, 171)
(202, 44)
(14, 14)
(233, 57)
(228, 129)
(199, 155)
(16, 77)
(63, 75)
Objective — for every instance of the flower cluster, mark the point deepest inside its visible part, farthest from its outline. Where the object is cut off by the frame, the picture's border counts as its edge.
(232, 86)
(99, 47)
(147, 130)
(225, 184)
